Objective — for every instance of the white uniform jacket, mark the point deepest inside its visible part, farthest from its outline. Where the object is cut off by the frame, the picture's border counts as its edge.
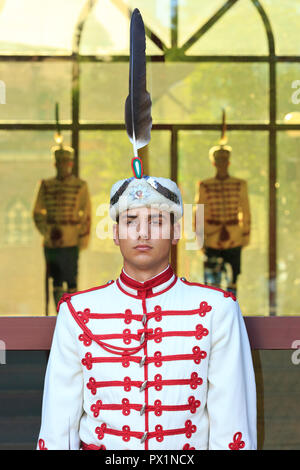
(164, 364)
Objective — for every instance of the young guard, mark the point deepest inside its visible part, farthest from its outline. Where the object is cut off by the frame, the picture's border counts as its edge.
(149, 361)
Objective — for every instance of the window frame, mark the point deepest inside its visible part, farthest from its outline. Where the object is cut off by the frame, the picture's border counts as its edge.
(176, 54)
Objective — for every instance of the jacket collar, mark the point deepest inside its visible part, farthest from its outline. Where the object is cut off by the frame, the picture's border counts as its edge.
(154, 286)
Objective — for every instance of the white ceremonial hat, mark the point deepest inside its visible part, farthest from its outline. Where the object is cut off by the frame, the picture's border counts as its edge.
(148, 191)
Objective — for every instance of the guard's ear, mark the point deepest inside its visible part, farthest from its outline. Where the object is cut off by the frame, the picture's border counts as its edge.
(116, 234)
(176, 233)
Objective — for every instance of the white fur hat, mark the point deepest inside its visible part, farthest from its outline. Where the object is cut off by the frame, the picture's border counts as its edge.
(148, 191)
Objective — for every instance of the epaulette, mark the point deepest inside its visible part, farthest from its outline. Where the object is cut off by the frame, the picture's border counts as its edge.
(225, 293)
(67, 296)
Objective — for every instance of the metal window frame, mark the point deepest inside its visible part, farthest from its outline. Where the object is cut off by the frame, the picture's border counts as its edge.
(176, 54)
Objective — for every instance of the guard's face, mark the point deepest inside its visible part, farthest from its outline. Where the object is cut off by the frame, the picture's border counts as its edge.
(222, 160)
(64, 167)
(145, 236)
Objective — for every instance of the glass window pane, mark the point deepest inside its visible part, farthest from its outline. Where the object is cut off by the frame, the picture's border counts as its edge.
(159, 157)
(196, 92)
(284, 18)
(106, 158)
(156, 15)
(231, 35)
(180, 92)
(33, 88)
(288, 223)
(25, 159)
(106, 30)
(97, 102)
(288, 92)
(191, 17)
(249, 161)
(35, 27)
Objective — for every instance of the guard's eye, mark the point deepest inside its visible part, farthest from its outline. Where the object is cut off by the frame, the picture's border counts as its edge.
(155, 222)
(131, 221)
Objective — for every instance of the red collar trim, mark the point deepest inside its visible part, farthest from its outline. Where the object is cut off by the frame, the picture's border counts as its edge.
(149, 288)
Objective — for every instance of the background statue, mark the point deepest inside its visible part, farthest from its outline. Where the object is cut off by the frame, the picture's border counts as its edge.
(226, 218)
(62, 214)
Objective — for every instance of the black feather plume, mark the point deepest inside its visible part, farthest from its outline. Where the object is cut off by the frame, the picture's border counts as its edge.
(138, 119)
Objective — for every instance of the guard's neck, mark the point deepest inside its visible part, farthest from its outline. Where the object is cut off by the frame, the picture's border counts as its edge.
(222, 175)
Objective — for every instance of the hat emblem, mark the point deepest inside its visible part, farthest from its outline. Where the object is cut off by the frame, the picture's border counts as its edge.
(139, 192)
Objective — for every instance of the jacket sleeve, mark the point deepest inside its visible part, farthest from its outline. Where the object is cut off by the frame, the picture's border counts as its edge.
(231, 396)
(85, 211)
(63, 389)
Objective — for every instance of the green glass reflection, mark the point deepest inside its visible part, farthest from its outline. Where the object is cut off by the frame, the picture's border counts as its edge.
(232, 35)
(25, 159)
(249, 161)
(191, 16)
(105, 159)
(106, 30)
(156, 15)
(284, 18)
(288, 223)
(103, 92)
(31, 27)
(288, 95)
(180, 92)
(33, 88)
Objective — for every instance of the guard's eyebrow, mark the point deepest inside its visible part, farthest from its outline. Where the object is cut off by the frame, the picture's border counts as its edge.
(128, 216)
(150, 216)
